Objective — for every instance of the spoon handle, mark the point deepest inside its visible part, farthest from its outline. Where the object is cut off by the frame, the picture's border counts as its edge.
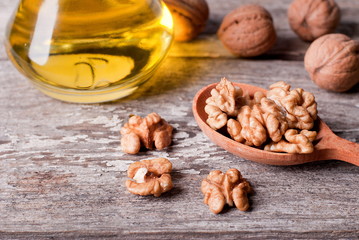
(344, 150)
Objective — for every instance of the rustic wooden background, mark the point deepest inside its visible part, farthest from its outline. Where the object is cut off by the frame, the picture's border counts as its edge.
(62, 172)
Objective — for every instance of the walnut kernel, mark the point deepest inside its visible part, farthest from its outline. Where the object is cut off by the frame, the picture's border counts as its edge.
(295, 142)
(151, 177)
(300, 106)
(264, 120)
(225, 100)
(226, 96)
(229, 188)
(151, 131)
(216, 118)
(234, 128)
(253, 130)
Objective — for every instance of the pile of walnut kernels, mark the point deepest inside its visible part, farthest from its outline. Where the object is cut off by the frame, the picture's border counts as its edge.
(152, 177)
(278, 121)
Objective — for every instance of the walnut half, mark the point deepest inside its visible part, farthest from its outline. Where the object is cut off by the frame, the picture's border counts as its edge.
(294, 142)
(225, 99)
(225, 188)
(151, 177)
(150, 131)
(300, 106)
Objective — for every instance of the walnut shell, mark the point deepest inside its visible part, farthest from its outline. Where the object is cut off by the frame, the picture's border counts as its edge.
(310, 19)
(189, 17)
(332, 62)
(248, 31)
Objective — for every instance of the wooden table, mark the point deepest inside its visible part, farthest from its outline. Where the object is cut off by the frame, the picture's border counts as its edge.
(62, 171)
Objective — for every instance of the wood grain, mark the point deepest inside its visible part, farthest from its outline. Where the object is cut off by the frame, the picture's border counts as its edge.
(62, 172)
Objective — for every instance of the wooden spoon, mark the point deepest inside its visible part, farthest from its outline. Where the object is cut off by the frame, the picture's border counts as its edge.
(327, 145)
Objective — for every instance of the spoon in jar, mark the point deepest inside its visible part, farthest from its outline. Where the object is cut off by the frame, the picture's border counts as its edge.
(326, 146)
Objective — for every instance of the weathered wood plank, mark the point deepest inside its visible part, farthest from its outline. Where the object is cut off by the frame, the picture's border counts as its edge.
(182, 235)
(62, 171)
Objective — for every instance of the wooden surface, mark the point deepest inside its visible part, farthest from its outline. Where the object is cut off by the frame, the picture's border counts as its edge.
(62, 172)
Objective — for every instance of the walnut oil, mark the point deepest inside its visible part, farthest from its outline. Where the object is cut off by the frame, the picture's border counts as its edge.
(89, 50)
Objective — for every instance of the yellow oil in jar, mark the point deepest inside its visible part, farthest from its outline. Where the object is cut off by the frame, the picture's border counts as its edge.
(89, 50)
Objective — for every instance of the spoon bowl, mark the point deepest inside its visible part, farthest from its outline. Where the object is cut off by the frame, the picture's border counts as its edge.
(327, 145)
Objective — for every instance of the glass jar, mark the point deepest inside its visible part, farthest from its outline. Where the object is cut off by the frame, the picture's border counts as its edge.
(89, 50)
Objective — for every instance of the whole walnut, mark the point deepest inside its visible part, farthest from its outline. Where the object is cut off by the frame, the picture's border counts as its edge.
(332, 62)
(189, 17)
(248, 31)
(311, 19)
